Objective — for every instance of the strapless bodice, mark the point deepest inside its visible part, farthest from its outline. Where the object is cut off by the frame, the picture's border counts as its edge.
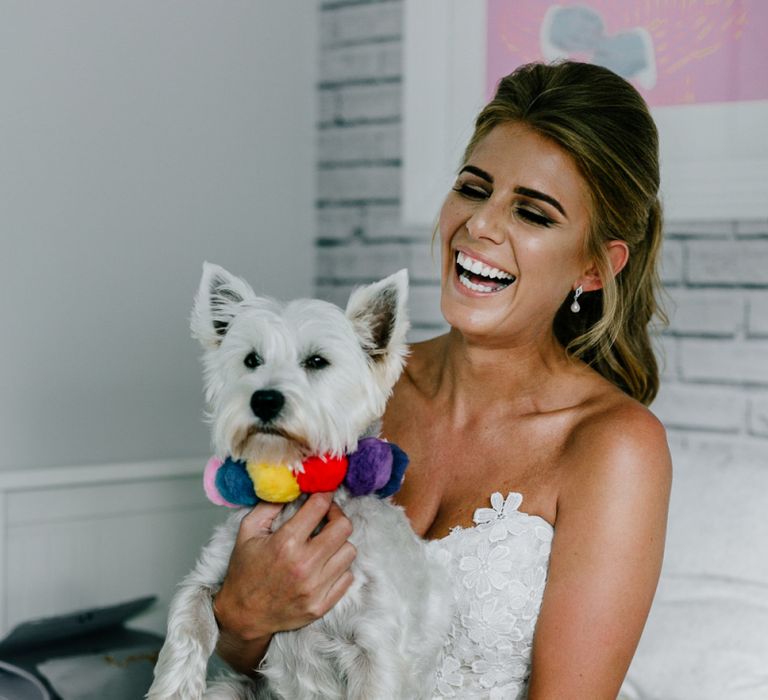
(499, 568)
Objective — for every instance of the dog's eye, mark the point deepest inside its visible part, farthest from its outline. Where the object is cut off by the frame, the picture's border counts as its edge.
(252, 360)
(315, 362)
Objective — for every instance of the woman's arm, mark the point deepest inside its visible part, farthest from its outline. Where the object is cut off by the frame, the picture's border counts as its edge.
(606, 556)
(282, 580)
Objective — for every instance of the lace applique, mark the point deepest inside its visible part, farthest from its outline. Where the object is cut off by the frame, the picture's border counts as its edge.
(499, 567)
(489, 568)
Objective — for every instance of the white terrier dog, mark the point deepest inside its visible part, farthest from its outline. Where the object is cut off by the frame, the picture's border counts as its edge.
(284, 382)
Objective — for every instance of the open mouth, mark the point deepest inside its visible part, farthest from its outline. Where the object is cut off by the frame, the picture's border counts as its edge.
(479, 277)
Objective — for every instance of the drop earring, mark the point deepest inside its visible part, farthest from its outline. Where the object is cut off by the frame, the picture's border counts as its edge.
(575, 307)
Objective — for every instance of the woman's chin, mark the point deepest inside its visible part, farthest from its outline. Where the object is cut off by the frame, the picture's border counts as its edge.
(473, 320)
(474, 313)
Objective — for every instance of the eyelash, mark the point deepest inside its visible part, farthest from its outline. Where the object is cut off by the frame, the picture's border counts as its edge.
(532, 217)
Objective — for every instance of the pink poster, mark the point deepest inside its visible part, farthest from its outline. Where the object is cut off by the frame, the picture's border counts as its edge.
(673, 51)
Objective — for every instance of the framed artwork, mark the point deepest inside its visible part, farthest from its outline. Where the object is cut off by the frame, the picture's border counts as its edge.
(702, 66)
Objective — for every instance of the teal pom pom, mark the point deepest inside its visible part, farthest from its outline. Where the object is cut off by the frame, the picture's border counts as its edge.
(234, 484)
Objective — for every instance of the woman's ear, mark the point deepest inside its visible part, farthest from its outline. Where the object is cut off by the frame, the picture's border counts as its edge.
(618, 254)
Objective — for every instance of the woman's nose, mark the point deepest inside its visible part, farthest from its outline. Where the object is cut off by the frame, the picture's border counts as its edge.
(487, 223)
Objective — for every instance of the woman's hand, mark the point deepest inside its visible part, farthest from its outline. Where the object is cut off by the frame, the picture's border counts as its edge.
(282, 580)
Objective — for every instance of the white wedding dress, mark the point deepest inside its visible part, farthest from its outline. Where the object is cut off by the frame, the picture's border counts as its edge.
(499, 568)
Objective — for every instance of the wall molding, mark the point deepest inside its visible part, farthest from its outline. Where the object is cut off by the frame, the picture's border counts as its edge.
(74, 537)
(23, 479)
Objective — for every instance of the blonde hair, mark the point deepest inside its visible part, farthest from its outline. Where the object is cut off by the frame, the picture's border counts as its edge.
(603, 123)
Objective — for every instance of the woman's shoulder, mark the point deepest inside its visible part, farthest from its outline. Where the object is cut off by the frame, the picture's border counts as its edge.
(616, 449)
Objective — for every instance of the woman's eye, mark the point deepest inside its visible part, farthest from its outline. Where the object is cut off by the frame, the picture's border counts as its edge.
(470, 191)
(315, 362)
(252, 360)
(534, 217)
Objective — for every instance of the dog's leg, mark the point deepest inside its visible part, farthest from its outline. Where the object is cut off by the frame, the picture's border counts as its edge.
(299, 667)
(192, 631)
(368, 676)
(366, 660)
(192, 634)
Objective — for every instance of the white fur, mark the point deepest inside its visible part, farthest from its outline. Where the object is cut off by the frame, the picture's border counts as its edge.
(382, 640)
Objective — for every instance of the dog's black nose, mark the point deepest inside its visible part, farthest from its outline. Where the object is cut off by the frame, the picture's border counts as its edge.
(267, 404)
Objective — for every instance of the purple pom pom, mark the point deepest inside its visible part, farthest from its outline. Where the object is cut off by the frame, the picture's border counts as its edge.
(370, 467)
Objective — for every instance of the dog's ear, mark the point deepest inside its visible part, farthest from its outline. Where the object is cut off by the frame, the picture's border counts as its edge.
(217, 301)
(379, 315)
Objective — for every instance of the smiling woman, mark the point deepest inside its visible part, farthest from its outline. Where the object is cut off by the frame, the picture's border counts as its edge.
(537, 395)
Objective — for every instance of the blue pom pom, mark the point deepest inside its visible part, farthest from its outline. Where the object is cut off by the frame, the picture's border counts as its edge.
(399, 465)
(234, 484)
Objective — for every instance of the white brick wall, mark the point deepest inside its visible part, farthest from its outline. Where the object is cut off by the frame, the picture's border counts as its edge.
(363, 63)
(724, 361)
(351, 104)
(718, 330)
(363, 143)
(740, 263)
(713, 356)
(758, 415)
(672, 262)
(706, 311)
(359, 183)
(757, 323)
(689, 406)
(360, 233)
(360, 24)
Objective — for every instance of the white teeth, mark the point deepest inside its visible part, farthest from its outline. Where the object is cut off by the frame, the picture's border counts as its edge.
(479, 268)
(475, 287)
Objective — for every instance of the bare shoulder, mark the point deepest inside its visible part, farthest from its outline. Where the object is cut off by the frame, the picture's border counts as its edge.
(607, 551)
(618, 448)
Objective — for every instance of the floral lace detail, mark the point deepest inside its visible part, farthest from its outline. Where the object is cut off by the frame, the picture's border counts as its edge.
(499, 567)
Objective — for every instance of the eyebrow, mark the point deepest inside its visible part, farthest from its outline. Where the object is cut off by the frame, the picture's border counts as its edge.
(525, 191)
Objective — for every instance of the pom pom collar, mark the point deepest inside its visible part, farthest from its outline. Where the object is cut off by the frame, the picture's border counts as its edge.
(376, 466)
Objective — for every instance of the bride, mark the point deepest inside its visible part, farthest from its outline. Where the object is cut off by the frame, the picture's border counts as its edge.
(537, 472)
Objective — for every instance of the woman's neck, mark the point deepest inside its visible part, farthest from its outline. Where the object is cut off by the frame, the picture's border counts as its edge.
(471, 378)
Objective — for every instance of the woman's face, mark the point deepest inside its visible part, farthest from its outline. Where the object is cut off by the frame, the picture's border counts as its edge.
(512, 234)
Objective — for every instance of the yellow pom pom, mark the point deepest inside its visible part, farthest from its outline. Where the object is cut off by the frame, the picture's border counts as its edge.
(273, 482)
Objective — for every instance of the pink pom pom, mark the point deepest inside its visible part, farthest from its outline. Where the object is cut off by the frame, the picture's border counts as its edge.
(209, 483)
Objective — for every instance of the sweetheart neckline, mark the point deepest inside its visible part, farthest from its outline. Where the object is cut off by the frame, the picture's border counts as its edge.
(461, 528)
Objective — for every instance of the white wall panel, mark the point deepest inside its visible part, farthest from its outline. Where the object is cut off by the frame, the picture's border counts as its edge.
(116, 532)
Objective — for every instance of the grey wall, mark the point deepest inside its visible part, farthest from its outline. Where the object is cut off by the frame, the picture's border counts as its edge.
(140, 138)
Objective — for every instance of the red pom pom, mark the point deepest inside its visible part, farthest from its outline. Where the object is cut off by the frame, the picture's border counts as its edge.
(322, 473)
